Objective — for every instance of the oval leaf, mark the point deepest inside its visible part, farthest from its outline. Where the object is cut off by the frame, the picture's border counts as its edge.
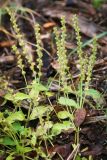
(39, 112)
(68, 102)
(9, 97)
(17, 116)
(63, 114)
(80, 115)
(59, 127)
(8, 141)
(19, 96)
(93, 93)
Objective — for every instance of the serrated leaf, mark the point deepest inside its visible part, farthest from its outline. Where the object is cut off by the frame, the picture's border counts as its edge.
(21, 149)
(59, 127)
(27, 149)
(38, 86)
(16, 126)
(10, 157)
(48, 125)
(40, 131)
(19, 96)
(93, 93)
(9, 97)
(8, 141)
(63, 114)
(39, 112)
(16, 116)
(68, 102)
(33, 139)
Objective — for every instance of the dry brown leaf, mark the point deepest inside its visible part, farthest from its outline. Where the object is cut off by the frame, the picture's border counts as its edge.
(55, 65)
(80, 115)
(7, 59)
(62, 150)
(88, 28)
(7, 43)
(49, 25)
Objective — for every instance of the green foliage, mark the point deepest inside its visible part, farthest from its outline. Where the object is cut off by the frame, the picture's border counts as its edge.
(10, 157)
(7, 141)
(15, 130)
(68, 102)
(64, 115)
(2, 12)
(98, 3)
(19, 96)
(17, 116)
(93, 93)
(12, 133)
(40, 111)
(58, 128)
(83, 158)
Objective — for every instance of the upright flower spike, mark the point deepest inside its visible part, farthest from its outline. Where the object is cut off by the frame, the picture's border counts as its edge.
(38, 49)
(63, 40)
(19, 59)
(21, 40)
(18, 35)
(79, 46)
(61, 52)
(91, 63)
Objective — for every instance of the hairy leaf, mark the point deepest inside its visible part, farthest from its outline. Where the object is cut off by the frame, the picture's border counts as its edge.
(68, 102)
(16, 116)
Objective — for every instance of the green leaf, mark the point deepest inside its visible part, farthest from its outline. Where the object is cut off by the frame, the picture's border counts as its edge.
(59, 127)
(10, 157)
(16, 126)
(16, 116)
(93, 93)
(48, 125)
(39, 112)
(63, 114)
(19, 96)
(8, 141)
(68, 102)
(33, 139)
(40, 131)
(78, 158)
(84, 158)
(9, 97)
(27, 149)
(22, 150)
(43, 130)
(36, 88)
(40, 87)
(1, 117)
(97, 3)
(25, 131)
